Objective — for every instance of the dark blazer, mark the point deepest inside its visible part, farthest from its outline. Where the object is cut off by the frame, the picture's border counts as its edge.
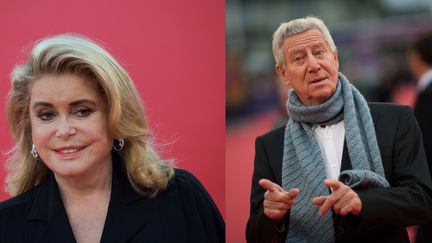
(385, 211)
(423, 114)
(182, 213)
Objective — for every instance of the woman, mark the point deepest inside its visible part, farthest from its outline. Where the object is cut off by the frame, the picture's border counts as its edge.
(83, 168)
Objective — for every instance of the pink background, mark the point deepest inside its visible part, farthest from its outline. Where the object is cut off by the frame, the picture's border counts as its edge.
(173, 50)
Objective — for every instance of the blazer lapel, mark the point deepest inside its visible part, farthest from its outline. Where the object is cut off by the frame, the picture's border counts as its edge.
(48, 221)
(128, 212)
(346, 161)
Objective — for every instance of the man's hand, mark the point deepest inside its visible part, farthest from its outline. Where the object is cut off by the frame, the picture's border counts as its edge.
(343, 199)
(277, 201)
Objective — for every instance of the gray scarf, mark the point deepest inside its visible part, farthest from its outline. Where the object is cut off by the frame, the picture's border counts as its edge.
(303, 165)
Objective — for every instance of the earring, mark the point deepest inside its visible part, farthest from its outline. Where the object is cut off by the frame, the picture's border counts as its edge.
(118, 144)
(34, 152)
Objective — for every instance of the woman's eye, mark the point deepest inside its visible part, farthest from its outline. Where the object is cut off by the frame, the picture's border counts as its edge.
(83, 112)
(46, 115)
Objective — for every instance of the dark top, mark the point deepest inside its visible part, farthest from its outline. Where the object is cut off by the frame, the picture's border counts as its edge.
(184, 212)
(385, 211)
(423, 114)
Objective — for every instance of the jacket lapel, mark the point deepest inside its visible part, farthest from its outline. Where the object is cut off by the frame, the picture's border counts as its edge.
(48, 221)
(128, 211)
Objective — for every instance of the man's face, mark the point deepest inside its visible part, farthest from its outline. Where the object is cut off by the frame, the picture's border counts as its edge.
(311, 67)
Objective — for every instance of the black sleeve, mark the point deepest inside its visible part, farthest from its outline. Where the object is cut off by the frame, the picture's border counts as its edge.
(204, 221)
(423, 114)
(259, 227)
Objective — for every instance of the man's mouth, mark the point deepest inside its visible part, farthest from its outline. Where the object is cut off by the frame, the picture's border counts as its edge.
(318, 80)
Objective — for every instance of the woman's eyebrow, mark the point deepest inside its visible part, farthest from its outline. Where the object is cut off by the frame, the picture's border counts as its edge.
(82, 101)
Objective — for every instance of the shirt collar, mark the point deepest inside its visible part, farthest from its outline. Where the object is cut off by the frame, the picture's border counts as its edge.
(424, 80)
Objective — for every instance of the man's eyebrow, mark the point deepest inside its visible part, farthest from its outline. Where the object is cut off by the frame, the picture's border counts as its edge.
(295, 51)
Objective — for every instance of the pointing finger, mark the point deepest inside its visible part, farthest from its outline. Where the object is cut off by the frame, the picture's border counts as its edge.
(334, 184)
(269, 185)
(319, 200)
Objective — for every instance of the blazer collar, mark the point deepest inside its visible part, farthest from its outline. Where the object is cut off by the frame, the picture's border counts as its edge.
(48, 221)
(128, 211)
(47, 218)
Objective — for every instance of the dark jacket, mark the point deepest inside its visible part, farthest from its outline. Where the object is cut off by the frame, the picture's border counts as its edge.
(423, 114)
(182, 213)
(385, 211)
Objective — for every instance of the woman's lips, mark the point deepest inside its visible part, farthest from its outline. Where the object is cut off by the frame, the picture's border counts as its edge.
(68, 151)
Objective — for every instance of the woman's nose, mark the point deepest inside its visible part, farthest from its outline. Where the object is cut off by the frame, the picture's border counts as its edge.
(65, 129)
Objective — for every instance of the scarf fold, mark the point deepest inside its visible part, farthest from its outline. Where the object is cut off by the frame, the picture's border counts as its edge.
(303, 164)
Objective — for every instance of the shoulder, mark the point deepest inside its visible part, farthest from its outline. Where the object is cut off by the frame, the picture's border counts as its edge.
(383, 107)
(389, 111)
(191, 192)
(14, 212)
(184, 180)
(18, 202)
(274, 136)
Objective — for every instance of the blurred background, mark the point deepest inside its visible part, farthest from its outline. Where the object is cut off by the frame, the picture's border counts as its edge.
(372, 37)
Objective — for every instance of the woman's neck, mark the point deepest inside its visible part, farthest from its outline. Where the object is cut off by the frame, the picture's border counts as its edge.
(95, 183)
(86, 201)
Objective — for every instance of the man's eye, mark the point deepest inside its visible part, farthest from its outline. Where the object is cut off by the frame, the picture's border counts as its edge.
(299, 58)
(319, 53)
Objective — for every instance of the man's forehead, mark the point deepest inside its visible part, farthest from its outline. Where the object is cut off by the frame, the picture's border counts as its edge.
(308, 38)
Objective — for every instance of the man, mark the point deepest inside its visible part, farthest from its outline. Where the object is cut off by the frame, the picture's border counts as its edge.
(341, 170)
(420, 60)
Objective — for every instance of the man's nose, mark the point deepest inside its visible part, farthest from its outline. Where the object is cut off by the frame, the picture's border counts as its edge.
(313, 64)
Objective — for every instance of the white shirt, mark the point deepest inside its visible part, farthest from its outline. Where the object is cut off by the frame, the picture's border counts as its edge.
(424, 81)
(331, 141)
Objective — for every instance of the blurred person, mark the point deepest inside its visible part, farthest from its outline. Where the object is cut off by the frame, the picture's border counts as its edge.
(84, 168)
(420, 62)
(342, 169)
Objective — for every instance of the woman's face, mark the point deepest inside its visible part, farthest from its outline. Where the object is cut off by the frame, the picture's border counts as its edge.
(69, 125)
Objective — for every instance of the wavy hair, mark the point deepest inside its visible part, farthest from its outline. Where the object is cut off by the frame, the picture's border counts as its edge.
(78, 55)
(294, 27)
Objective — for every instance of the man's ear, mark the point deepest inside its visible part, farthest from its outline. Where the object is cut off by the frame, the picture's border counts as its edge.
(281, 72)
(336, 56)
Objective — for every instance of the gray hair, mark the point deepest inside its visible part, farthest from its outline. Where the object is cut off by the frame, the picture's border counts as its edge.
(294, 27)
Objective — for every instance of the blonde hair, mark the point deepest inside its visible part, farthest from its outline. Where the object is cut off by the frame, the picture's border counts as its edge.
(78, 55)
(294, 27)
